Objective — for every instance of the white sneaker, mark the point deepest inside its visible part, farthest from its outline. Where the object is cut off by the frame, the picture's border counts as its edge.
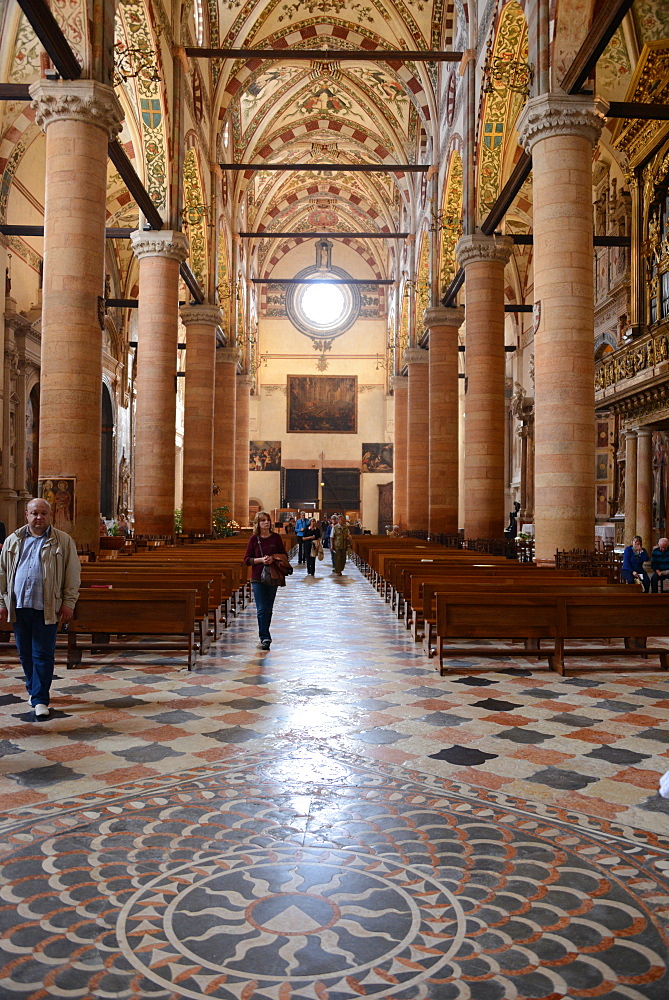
(41, 711)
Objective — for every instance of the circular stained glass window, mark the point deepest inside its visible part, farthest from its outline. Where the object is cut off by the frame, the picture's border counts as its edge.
(319, 307)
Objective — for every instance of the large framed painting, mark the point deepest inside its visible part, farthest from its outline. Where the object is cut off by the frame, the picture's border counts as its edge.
(264, 456)
(377, 457)
(322, 404)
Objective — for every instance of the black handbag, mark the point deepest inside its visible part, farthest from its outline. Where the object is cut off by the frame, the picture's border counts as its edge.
(266, 575)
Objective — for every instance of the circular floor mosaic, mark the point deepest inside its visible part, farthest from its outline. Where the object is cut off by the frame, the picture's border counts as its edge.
(376, 889)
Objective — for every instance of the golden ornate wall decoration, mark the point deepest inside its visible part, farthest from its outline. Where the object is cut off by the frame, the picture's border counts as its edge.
(451, 226)
(626, 363)
(195, 217)
(636, 137)
(501, 106)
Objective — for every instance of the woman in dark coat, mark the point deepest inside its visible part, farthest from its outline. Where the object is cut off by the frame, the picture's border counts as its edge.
(265, 549)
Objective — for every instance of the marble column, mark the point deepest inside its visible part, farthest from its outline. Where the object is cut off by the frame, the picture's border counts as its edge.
(200, 322)
(644, 486)
(159, 252)
(225, 405)
(630, 487)
(560, 132)
(244, 385)
(443, 325)
(400, 386)
(79, 118)
(418, 426)
(484, 258)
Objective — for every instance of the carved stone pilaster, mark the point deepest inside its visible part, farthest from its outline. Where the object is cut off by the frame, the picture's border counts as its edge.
(159, 243)
(206, 314)
(560, 114)
(480, 248)
(77, 100)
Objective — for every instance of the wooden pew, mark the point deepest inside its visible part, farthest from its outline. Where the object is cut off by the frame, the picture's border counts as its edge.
(434, 588)
(125, 580)
(557, 617)
(422, 586)
(458, 572)
(131, 614)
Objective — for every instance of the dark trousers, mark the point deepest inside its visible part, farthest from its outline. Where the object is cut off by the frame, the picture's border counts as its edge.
(36, 643)
(264, 597)
(303, 548)
(657, 583)
(311, 562)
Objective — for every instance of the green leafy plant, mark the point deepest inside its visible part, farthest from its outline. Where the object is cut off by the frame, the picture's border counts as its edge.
(222, 523)
(113, 529)
(178, 521)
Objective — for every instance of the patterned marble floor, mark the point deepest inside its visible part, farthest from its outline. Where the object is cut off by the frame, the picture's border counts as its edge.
(333, 819)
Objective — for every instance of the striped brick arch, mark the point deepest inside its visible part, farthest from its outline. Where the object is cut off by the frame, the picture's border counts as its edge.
(362, 206)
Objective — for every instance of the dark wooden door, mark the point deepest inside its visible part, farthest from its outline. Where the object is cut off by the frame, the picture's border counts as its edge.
(385, 507)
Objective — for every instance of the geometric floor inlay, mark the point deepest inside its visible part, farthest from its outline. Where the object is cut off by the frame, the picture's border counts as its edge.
(305, 873)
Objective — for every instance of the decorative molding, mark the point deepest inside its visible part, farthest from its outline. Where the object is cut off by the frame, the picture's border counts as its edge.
(205, 315)
(159, 243)
(442, 316)
(560, 114)
(477, 248)
(269, 388)
(399, 382)
(416, 356)
(77, 100)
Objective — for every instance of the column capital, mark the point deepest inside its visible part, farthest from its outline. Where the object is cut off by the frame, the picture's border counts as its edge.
(444, 316)
(631, 432)
(644, 431)
(416, 356)
(159, 243)
(227, 355)
(477, 248)
(77, 100)
(398, 382)
(204, 314)
(559, 113)
(246, 381)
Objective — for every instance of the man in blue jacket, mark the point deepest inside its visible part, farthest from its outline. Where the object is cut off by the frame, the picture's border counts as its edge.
(659, 560)
(301, 526)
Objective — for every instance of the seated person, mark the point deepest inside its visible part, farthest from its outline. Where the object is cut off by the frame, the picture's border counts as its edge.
(634, 556)
(659, 560)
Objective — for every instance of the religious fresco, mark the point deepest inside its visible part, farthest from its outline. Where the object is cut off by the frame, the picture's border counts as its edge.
(377, 457)
(264, 456)
(60, 492)
(451, 225)
(325, 404)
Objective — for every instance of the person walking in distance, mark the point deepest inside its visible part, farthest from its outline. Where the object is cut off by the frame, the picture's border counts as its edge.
(301, 526)
(40, 576)
(312, 536)
(339, 544)
(265, 552)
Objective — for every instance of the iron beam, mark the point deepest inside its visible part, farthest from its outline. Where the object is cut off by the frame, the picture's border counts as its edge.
(325, 54)
(379, 168)
(329, 236)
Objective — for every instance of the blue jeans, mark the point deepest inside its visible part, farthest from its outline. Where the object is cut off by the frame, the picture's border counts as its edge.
(264, 597)
(36, 643)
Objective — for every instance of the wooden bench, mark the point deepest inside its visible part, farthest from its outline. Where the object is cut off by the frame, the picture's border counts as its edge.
(556, 617)
(130, 614)
(424, 587)
(124, 580)
(456, 573)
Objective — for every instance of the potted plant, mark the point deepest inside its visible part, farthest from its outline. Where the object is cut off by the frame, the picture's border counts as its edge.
(113, 540)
